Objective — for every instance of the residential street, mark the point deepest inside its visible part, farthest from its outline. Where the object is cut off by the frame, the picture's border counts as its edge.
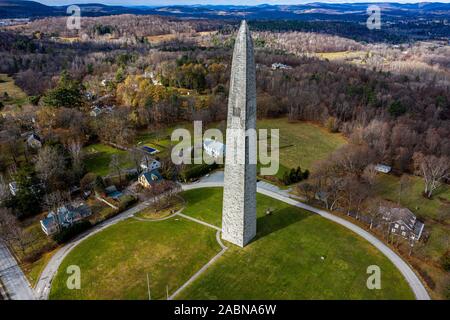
(13, 279)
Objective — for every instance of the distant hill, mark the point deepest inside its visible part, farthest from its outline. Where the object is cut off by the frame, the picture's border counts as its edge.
(26, 9)
(311, 11)
(32, 9)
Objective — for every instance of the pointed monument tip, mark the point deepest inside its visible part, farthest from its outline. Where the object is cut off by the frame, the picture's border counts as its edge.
(243, 27)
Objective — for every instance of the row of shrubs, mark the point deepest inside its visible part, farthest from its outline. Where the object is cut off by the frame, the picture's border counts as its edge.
(295, 175)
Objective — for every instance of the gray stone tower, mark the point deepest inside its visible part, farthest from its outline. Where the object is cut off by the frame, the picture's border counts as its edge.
(239, 194)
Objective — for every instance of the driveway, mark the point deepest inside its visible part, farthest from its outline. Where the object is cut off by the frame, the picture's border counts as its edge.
(13, 279)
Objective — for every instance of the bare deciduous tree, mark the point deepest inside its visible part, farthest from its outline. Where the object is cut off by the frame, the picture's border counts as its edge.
(75, 148)
(115, 165)
(433, 169)
(11, 232)
(50, 165)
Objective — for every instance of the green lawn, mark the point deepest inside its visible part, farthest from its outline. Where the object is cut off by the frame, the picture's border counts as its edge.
(284, 262)
(98, 156)
(426, 209)
(388, 186)
(301, 143)
(114, 263)
(15, 95)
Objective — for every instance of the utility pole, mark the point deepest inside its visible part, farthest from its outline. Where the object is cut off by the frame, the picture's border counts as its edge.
(148, 288)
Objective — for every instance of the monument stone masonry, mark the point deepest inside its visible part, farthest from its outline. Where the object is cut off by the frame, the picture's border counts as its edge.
(239, 194)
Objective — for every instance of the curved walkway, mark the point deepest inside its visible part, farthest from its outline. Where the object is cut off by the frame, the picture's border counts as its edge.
(414, 282)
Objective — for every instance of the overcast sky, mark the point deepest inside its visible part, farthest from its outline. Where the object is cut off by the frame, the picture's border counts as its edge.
(234, 2)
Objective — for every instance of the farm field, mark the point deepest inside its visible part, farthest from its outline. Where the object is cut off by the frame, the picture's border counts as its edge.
(10, 94)
(356, 57)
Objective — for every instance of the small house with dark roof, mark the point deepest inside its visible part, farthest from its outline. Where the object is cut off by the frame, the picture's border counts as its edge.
(64, 217)
(34, 141)
(402, 222)
(149, 178)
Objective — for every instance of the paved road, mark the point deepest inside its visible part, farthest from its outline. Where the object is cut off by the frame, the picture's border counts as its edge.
(13, 279)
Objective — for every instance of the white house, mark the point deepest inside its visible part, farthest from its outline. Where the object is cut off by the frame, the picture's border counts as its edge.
(214, 148)
(277, 65)
(13, 188)
(383, 168)
(150, 164)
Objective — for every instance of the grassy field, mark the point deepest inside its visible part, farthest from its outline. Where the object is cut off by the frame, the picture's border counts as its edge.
(388, 186)
(296, 255)
(15, 95)
(302, 143)
(284, 262)
(98, 157)
(114, 263)
(356, 57)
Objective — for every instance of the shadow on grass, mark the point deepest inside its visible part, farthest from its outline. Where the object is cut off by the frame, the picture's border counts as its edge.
(279, 219)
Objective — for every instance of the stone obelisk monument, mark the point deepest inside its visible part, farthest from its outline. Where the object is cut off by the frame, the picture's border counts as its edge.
(239, 194)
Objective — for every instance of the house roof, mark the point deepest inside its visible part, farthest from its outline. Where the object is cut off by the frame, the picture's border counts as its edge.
(34, 136)
(383, 167)
(403, 215)
(66, 215)
(399, 214)
(152, 176)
